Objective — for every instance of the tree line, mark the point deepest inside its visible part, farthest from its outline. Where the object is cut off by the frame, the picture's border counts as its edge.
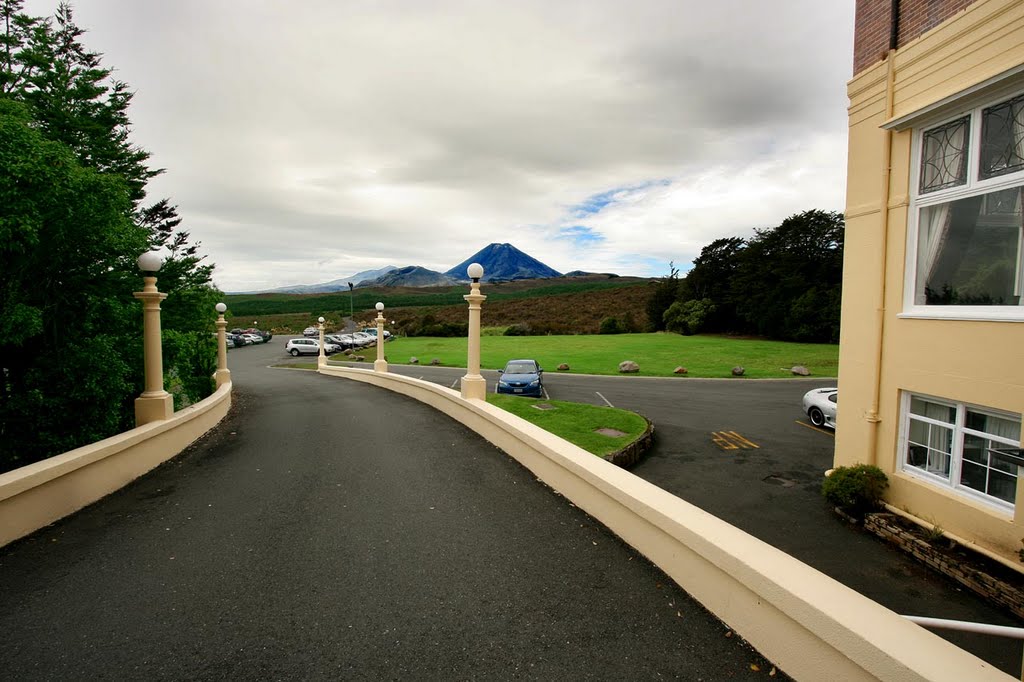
(74, 217)
(783, 283)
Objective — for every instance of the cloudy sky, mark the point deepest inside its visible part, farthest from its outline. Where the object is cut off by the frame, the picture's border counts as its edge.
(306, 141)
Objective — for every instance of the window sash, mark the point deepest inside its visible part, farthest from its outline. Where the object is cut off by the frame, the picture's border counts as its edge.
(983, 306)
(970, 468)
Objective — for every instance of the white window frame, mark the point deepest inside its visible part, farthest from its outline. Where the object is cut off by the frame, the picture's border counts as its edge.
(959, 431)
(973, 187)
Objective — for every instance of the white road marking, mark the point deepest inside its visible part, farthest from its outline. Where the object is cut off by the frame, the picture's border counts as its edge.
(604, 399)
(454, 383)
(546, 396)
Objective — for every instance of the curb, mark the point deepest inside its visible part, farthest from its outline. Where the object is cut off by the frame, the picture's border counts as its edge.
(634, 452)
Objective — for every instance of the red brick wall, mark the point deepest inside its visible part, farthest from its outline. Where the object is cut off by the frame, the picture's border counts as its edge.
(872, 25)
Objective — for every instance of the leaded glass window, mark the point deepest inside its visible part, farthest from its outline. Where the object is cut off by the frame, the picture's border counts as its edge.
(968, 221)
(1002, 139)
(944, 155)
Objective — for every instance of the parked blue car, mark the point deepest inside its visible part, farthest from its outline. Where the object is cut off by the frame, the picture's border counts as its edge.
(521, 377)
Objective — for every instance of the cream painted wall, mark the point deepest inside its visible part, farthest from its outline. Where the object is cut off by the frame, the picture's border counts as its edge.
(975, 362)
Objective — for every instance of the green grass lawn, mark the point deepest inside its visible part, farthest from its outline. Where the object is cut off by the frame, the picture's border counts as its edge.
(576, 422)
(657, 354)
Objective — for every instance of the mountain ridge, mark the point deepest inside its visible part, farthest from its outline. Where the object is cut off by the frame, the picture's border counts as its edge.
(502, 262)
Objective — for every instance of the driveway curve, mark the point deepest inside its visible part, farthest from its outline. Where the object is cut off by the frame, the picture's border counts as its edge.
(331, 530)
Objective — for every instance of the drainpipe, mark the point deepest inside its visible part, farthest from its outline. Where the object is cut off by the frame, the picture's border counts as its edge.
(872, 415)
(894, 25)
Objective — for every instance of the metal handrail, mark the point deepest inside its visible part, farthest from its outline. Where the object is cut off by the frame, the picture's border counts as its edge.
(967, 626)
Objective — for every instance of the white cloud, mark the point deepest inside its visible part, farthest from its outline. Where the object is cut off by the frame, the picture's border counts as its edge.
(306, 141)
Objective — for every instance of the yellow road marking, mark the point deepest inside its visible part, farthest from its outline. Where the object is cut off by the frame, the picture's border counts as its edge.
(730, 440)
(723, 442)
(743, 442)
(827, 432)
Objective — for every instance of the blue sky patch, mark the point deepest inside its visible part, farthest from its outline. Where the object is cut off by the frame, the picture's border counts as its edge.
(581, 235)
(596, 203)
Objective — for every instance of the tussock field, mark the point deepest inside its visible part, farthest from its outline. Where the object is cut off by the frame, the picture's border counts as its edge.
(575, 306)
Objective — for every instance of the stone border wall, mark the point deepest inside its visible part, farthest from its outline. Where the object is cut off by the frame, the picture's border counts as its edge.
(632, 453)
(890, 528)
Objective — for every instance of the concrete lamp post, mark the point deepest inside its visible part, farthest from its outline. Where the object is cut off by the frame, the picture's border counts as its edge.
(380, 364)
(154, 403)
(223, 374)
(322, 358)
(473, 385)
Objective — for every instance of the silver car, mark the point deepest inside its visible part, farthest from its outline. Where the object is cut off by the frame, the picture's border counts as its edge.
(820, 405)
(297, 347)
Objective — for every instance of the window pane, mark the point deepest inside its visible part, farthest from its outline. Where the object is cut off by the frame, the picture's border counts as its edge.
(979, 470)
(944, 156)
(994, 425)
(1003, 486)
(1002, 139)
(936, 411)
(977, 474)
(930, 447)
(969, 251)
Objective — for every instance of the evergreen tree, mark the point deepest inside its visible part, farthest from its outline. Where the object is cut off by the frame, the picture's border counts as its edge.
(72, 223)
(666, 291)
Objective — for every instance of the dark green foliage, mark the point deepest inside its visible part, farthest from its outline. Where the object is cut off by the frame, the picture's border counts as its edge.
(70, 232)
(689, 317)
(666, 291)
(801, 260)
(517, 330)
(428, 325)
(65, 299)
(81, 393)
(190, 359)
(783, 283)
(611, 325)
(856, 490)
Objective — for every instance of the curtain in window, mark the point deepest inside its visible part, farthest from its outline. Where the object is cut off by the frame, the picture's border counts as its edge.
(932, 235)
(950, 230)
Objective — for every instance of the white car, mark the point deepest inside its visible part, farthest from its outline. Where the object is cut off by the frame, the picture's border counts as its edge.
(363, 339)
(297, 347)
(255, 338)
(820, 405)
(311, 331)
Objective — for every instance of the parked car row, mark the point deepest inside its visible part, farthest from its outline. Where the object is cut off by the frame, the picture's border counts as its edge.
(237, 338)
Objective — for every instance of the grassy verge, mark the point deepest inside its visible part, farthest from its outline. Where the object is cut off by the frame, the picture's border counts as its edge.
(576, 422)
(657, 354)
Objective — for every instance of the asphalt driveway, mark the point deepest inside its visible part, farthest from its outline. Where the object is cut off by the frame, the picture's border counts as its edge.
(329, 529)
(742, 450)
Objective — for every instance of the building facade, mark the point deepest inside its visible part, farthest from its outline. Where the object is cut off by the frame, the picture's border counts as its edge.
(931, 369)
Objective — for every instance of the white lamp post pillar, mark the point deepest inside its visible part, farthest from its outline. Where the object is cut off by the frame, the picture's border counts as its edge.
(155, 403)
(322, 358)
(223, 374)
(473, 385)
(380, 365)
